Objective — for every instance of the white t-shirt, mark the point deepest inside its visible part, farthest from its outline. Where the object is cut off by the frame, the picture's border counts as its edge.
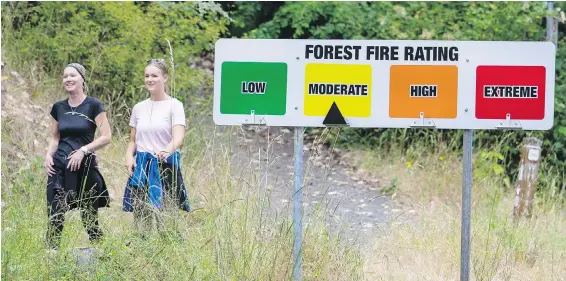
(154, 121)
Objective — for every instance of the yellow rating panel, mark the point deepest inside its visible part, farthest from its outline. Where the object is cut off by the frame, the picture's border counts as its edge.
(346, 85)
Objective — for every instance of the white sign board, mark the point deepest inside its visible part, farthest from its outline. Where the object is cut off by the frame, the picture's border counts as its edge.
(385, 83)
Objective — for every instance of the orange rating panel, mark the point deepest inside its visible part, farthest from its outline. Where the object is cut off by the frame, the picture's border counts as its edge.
(431, 89)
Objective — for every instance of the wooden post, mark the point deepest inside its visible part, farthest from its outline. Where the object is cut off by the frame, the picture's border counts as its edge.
(526, 181)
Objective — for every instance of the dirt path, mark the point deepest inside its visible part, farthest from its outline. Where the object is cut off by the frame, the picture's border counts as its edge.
(348, 199)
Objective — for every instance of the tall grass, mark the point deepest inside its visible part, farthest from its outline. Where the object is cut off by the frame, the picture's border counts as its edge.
(423, 243)
(227, 236)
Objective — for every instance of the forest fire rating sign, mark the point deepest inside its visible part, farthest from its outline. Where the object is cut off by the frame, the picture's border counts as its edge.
(385, 83)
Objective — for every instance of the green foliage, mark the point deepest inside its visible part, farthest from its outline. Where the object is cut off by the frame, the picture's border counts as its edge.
(509, 21)
(488, 165)
(412, 20)
(248, 15)
(391, 188)
(113, 40)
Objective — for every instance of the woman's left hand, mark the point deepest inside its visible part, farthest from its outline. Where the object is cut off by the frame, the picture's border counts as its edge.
(75, 160)
(163, 155)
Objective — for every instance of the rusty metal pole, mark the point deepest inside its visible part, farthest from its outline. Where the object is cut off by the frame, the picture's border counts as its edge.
(526, 180)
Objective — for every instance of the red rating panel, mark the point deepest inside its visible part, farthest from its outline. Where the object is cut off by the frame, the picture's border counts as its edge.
(515, 90)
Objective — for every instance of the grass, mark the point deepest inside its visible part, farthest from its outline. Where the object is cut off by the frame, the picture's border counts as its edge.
(227, 236)
(424, 243)
(224, 238)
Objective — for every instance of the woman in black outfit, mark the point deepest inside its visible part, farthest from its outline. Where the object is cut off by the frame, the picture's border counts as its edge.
(74, 180)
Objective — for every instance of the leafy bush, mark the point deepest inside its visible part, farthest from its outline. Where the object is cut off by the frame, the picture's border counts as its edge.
(113, 40)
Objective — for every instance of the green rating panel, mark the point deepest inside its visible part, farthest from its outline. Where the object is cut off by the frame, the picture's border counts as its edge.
(257, 86)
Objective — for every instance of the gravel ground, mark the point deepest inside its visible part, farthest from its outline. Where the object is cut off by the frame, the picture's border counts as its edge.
(350, 200)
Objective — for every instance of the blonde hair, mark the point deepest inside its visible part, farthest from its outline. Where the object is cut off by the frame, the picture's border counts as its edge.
(160, 64)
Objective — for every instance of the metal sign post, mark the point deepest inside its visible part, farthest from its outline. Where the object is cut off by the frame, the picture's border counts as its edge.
(298, 205)
(466, 206)
(551, 25)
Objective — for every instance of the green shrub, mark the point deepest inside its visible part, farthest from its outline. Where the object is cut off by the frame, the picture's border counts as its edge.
(113, 40)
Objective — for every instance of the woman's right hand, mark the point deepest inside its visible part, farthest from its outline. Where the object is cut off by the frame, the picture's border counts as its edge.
(130, 165)
(49, 165)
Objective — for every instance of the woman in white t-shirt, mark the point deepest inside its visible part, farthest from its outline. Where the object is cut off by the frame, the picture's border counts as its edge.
(152, 157)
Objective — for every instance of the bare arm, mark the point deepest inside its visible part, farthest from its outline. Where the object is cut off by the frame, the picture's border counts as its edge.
(131, 150)
(106, 133)
(54, 139)
(177, 141)
(51, 148)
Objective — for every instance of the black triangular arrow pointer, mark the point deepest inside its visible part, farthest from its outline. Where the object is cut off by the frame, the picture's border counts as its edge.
(334, 116)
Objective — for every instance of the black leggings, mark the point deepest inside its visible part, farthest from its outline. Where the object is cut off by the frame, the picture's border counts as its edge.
(57, 208)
